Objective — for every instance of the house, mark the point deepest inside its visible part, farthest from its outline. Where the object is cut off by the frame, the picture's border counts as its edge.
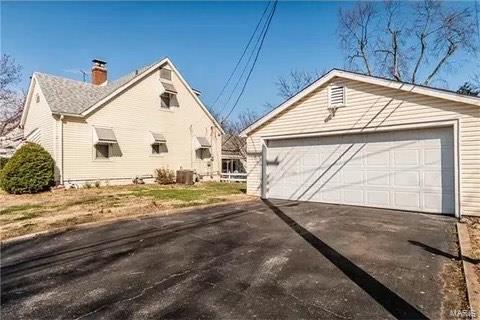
(361, 140)
(10, 142)
(114, 131)
(234, 154)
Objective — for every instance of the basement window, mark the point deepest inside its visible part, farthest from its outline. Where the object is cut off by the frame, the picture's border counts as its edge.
(336, 97)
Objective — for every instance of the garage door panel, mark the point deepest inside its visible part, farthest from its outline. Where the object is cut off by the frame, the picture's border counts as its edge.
(378, 197)
(378, 178)
(353, 177)
(406, 157)
(438, 202)
(354, 196)
(331, 196)
(405, 199)
(411, 170)
(409, 179)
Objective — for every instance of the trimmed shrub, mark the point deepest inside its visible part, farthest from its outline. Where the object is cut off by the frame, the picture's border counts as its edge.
(30, 170)
(3, 162)
(164, 176)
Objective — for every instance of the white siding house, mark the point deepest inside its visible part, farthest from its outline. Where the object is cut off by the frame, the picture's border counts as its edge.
(361, 140)
(116, 131)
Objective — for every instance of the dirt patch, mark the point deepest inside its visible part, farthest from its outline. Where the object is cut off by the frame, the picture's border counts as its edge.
(473, 226)
(454, 291)
(25, 214)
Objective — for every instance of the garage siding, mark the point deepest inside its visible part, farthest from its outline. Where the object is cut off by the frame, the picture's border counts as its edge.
(370, 106)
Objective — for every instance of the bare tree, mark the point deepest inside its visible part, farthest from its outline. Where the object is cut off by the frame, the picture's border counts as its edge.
(295, 81)
(470, 89)
(374, 34)
(11, 100)
(232, 142)
(356, 37)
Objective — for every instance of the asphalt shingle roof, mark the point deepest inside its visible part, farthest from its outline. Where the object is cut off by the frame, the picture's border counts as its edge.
(74, 97)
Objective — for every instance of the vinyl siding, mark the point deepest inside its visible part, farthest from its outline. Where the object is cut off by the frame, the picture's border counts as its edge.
(370, 106)
(132, 115)
(40, 117)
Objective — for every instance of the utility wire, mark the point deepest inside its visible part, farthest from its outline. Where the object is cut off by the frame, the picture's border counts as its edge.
(247, 64)
(241, 57)
(254, 61)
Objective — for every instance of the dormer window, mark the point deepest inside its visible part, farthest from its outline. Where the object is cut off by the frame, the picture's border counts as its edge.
(336, 97)
(165, 74)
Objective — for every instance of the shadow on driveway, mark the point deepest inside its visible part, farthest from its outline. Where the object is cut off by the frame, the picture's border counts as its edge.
(397, 306)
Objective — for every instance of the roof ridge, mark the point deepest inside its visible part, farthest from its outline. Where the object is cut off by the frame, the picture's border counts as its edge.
(402, 82)
(64, 78)
(66, 94)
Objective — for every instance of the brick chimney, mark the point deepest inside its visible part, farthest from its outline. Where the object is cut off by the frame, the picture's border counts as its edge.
(99, 72)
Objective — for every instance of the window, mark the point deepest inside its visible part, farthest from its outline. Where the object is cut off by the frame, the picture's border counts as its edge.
(203, 153)
(337, 96)
(102, 151)
(37, 98)
(159, 148)
(166, 74)
(168, 100)
(165, 97)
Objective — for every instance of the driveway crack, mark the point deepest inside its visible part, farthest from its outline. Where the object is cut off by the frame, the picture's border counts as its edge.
(157, 283)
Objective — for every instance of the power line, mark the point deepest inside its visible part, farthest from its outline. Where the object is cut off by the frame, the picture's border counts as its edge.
(239, 80)
(254, 61)
(241, 57)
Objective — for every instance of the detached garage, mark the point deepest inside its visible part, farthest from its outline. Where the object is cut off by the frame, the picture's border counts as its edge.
(360, 140)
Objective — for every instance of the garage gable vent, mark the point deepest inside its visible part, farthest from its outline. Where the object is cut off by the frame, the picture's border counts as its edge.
(337, 96)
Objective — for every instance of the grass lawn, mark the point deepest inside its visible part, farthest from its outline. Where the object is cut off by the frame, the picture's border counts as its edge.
(24, 214)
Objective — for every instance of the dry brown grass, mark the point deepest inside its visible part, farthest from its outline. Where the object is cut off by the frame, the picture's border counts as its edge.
(473, 224)
(25, 214)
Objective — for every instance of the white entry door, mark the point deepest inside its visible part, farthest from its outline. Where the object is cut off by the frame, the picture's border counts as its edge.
(409, 170)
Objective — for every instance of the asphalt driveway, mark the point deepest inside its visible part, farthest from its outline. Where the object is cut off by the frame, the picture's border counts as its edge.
(275, 259)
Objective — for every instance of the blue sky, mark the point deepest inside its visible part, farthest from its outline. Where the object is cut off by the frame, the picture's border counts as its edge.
(203, 39)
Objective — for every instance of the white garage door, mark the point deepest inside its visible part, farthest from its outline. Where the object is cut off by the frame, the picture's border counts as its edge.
(410, 170)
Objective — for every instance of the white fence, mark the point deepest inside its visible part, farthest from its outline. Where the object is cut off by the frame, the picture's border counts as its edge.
(233, 177)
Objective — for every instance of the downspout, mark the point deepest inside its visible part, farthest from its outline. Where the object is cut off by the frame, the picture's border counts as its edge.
(61, 149)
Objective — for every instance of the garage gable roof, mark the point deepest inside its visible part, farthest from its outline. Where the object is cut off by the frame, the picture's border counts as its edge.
(403, 86)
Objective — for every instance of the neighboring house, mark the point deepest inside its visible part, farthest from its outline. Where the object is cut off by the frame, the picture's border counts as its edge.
(10, 142)
(361, 140)
(113, 131)
(234, 154)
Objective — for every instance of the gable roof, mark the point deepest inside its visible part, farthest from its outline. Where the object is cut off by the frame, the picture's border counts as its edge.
(233, 143)
(76, 98)
(73, 97)
(384, 82)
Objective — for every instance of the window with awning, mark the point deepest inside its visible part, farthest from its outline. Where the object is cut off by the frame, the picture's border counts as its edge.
(105, 136)
(202, 143)
(202, 148)
(158, 138)
(158, 143)
(169, 96)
